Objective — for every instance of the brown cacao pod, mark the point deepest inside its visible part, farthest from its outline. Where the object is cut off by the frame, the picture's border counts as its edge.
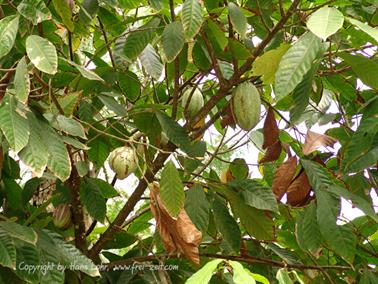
(246, 106)
(62, 216)
(196, 101)
(123, 161)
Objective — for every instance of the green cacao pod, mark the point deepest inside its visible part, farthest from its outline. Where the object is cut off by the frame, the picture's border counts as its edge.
(62, 216)
(246, 106)
(196, 101)
(123, 161)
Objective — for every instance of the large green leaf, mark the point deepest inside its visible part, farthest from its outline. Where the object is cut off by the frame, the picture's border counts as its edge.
(34, 10)
(173, 40)
(255, 194)
(7, 250)
(325, 22)
(171, 189)
(86, 73)
(241, 275)
(191, 18)
(365, 68)
(59, 162)
(137, 40)
(106, 190)
(226, 225)
(42, 54)
(339, 238)
(151, 62)
(35, 155)
(204, 275)
(307, 230)
(14, 125)
(19, 232)
(8, 33)
(66, 124)
(238, 19)
(373, 32)
(361, 143)
(65, 12)
(93, 200)
(22, 81)
(28, 256)
(197, 206)
(296, 62)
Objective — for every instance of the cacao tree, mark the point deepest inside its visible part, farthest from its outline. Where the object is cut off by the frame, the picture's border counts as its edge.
(170, 141)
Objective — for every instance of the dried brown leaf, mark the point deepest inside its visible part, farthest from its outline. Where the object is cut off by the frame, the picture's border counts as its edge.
(178, 234)
(299, 190)
(270, 130)
(272, 153)
(315, 140)
(283, 177)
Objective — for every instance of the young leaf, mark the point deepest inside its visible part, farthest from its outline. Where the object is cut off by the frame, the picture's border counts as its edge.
(34, 10)
(14, 126)
(42, 54)
(191, 18)
(22, 81)
(171, 189)
(204, 275)
(8, 33)
(238, 19)
(283, 177)
(296, 62)
(315, 140)
(173, 40)
(325, 22)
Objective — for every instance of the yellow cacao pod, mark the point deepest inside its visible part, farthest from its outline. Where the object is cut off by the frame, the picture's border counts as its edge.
(246, 106)
(196, 101)
(123, 161)
(62, 216)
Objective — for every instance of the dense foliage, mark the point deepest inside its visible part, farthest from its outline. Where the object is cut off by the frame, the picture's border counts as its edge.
(170, 141)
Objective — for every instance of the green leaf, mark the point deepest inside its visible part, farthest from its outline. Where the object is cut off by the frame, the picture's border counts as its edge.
(19, 232)
(365, 161)
(296, 62)
(28, 256)
(64, 11)
(99, 151)
(255, 194)
(151, 62)
(325, 22)
(8, 33)
(14, 125)
(258, 277)
(361, 143)
(86, 73)
(59, 162)
(340, 238)
(307, 230)
(35, 155)
(137, 40)
(110, 102)
(204, 275)
(365, 68)
(266, 65)
(240, 274)
(191, 18)
(106, 190)
(173, 40)
(75, 143)
(92, 198)
(197, 206)
(373, 32)
(7, 250)
(238, 19)
(42, 54)
(66, 124)
(171, 189)
(218, 34)
(226, 225)
(34, 10)
(22, 81)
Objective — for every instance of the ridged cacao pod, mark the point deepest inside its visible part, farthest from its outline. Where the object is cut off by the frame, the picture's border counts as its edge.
(246, 106)
(123, 161)
(62, 216)
(196, 101)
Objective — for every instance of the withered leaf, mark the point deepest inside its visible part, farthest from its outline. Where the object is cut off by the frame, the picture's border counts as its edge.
(299, 190)
(178, 235)
(272, 153)
(315, 140)
(271, 131)
(283, 177)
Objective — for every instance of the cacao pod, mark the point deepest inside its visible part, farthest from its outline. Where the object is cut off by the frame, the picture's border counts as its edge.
(62, 216)
(196, 101)
(246, 106)
(123, 161)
